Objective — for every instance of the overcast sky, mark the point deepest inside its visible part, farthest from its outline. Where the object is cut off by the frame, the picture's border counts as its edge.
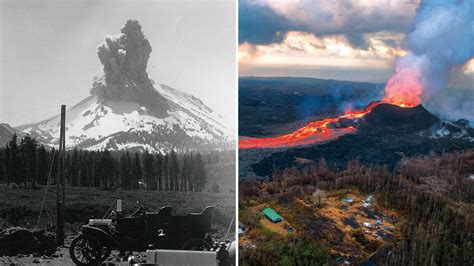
(48, 51)
(345, 39)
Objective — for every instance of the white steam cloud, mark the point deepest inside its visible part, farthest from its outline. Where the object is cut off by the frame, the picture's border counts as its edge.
(440, 43)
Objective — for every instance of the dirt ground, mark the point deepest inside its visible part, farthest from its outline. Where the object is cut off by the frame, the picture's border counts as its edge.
(349, 240)
(275, 227)
(337, 210)
(61, 257)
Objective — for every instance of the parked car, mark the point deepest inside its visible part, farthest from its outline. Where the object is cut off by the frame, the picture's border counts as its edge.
(140, 231)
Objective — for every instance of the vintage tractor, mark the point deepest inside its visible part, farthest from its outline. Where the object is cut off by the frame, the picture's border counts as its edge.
(140, 231)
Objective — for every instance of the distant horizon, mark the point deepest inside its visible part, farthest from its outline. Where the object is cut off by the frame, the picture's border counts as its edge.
(346, 80)
(358, 41)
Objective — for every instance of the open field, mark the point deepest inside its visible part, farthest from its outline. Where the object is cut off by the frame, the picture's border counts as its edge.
(326, 221)
(223, 174)
(20, 207)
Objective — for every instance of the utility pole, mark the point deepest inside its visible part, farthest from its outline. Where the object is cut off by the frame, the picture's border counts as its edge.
(60, 183)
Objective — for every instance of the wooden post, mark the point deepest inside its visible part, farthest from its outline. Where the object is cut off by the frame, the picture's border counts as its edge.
(60, 183)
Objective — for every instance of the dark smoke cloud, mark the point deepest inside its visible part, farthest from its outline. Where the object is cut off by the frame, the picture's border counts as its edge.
(125, 55)
(268, 21)
(124, 58)
(259, 24)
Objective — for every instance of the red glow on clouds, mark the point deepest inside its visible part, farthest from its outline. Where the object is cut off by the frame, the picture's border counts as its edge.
(404, 88)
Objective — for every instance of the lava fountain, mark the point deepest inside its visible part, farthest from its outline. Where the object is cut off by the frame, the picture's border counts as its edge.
(403, 89)
(440, 43)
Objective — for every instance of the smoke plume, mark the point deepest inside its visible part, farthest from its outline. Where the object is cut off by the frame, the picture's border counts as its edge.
(440, 43)
(124, 57)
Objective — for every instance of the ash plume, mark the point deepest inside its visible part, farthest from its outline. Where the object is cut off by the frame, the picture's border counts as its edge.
(440, 44)
(124, 57)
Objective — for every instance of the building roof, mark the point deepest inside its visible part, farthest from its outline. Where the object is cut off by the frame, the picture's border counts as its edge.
(272, 215)
(348, 199)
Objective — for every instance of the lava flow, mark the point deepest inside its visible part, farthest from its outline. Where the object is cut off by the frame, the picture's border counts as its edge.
(404, 89)
(313, 132)
(317, 131)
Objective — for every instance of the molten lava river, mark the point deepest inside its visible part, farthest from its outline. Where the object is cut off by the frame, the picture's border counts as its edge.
(404, 89)
(314, 132)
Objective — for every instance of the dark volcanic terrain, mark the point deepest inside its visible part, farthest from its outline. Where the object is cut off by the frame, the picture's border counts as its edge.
(274, 106)
(385, 136)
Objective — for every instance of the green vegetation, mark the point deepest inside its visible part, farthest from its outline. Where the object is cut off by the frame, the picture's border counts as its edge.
(435, 194)
(95, 179)
(20, 207)
(288, 251)
(365, 244)
(28, 164)
(271, 248)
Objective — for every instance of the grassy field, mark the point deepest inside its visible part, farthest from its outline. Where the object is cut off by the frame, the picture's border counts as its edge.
(224, 175)
(21, 207)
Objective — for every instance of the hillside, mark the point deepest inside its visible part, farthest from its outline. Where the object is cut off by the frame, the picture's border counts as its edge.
(385, 136)
(425, 207)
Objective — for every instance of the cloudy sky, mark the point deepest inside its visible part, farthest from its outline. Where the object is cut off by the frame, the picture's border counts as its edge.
(48, 51)
(346, 39)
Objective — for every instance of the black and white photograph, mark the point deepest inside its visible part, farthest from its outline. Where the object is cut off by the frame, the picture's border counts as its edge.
(118, 132)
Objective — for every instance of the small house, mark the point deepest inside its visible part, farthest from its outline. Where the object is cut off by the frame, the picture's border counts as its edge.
(348, 200)
(272, 215)
(368, 225)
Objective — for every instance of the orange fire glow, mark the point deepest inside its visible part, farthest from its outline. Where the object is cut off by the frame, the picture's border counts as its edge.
(313, 132)
(403, 89)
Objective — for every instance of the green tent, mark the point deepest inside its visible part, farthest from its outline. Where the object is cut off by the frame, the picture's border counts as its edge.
(272, 215)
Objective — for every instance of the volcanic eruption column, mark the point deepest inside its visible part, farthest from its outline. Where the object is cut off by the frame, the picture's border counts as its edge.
(124, 57)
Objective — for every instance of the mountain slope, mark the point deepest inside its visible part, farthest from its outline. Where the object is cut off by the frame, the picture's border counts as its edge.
(96, 123)
(6, 133)
(127, 111)
(385, 136)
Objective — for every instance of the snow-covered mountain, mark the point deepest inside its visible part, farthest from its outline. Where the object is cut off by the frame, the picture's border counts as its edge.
(97, 124)
(127, 111)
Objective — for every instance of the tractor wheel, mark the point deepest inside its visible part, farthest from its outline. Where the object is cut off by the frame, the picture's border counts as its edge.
(196, 244)
(85, 250)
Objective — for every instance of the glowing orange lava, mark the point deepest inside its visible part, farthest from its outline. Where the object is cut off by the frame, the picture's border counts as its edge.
(313, 132)
(404, 89)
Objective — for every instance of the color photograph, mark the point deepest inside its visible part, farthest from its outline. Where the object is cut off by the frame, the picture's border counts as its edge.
(356, 143)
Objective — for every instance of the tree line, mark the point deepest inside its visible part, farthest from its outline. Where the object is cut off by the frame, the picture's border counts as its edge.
(26, 163)
(434, 193)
